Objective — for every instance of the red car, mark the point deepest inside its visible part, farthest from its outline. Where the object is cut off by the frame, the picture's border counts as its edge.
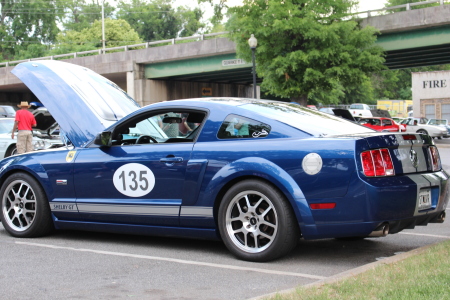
(382, 124)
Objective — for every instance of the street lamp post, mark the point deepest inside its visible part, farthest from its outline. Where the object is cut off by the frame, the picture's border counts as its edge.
(253, 42)
(103, 25)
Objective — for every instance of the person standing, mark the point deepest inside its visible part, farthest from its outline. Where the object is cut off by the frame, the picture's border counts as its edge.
(23, 122)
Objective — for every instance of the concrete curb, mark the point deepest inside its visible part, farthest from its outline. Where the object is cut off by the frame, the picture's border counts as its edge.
(353, 272)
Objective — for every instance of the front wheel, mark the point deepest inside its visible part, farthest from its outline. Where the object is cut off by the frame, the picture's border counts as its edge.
(256, 222)
(24, 207)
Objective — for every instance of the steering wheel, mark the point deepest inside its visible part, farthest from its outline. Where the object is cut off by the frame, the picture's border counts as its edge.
(145, 139)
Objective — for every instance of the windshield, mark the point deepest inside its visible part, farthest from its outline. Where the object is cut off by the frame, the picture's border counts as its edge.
(6, 125)
(313, 122)
(437, 122)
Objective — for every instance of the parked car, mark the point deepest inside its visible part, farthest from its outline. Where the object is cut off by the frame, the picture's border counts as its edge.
(397, 119)
(7, 111)
(328, 110)
(8, 145)
(312, 107)
(360, 110)
(419, 125)
(228, 179)
(442, 123)
(382, 124)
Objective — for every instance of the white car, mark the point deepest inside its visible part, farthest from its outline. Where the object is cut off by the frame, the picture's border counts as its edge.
(419, 125)
(360, 110)
(8, 145)
(441, 123)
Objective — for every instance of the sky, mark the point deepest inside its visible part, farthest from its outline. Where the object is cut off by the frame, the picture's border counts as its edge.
(364, 5)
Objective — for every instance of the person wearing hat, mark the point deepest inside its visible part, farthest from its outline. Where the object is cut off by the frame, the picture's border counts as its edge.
(23, 122)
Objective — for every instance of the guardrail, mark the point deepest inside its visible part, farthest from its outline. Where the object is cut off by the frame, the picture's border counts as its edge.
(407, 6)
(123, 48)
(195, 37)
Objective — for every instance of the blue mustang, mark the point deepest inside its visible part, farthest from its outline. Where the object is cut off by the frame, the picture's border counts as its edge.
(257, 174)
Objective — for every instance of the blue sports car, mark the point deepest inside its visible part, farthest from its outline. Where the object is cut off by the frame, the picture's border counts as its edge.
(257, 174)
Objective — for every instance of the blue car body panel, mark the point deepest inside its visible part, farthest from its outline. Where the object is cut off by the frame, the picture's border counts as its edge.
(191, 177)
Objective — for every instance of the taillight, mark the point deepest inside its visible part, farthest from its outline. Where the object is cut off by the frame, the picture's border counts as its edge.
(330, 205)
(377, 163)
(435, 159)
(409, 137)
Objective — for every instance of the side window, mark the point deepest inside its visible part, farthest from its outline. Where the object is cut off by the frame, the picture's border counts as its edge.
(3, 112)
(236, 126)
(162, 127)
(387, 122)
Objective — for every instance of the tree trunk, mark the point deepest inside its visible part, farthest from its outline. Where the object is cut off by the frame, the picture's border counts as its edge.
(302, 100)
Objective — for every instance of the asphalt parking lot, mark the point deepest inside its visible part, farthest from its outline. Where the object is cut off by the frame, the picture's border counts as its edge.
(89, 265)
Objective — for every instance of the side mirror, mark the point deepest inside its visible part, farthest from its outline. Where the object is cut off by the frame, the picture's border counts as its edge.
(103, 139)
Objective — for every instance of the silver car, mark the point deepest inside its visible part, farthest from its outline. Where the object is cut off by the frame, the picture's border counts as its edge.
(419, 125)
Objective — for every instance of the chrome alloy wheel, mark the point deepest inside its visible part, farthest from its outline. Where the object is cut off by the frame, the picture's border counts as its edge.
(251, 221)
(19, 205)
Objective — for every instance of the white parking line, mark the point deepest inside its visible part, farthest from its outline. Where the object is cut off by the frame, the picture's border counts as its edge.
(180, 261)
(430, 235)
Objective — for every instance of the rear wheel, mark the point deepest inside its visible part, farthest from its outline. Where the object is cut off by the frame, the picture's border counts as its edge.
(422, 131)
(24, 207)
(12, 150)
(256, 222)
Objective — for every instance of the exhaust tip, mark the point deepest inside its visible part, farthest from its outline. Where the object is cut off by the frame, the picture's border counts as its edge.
(382, 230)
(441, 217)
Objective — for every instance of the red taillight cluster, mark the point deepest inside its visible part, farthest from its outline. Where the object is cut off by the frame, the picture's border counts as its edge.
(435, 159)
(377, 163)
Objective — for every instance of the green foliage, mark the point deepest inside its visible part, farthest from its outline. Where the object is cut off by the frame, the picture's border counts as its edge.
(25, 22)
(158, 20)
(220, 8)
(81, 14)
(304, 49)
(117, 33)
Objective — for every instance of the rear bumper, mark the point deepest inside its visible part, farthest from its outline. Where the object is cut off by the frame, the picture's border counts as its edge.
(363, 229)
(371, 203)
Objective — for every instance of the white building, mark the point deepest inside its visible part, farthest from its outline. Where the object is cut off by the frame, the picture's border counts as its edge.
(431, 94)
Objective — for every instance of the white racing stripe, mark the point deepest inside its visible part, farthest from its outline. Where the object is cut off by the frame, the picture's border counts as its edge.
(180, 261)
(430, 235)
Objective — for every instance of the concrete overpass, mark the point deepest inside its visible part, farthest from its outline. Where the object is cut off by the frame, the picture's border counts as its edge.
(210, 68)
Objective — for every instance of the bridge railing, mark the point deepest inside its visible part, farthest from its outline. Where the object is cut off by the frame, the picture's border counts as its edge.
(406, 6)
(114, 49)
(190, 38)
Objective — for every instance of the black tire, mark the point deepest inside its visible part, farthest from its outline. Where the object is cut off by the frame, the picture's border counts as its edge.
(12, 150)
(246, 232)
(422, 131)
(25, 211)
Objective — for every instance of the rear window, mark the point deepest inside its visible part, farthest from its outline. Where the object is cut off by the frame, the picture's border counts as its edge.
(236, 126)
(310, 121)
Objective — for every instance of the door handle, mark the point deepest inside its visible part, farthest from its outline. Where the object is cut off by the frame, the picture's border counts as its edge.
(171, 160)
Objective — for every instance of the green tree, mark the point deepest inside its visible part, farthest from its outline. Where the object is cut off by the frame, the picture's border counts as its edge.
(117, 33)
(158, 20)
(305, 50)
(25, 22)
(220, 9)
(80, 14)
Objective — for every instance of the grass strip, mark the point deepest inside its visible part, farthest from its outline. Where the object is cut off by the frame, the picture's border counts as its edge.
(422, 276)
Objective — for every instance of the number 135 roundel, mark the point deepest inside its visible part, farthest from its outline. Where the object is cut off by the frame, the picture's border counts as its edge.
(256, 174)
(134, 180)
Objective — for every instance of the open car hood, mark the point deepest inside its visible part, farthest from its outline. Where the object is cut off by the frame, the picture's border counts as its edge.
(83, 102)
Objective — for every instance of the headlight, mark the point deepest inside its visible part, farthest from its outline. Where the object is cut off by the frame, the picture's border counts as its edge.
(39, 145)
